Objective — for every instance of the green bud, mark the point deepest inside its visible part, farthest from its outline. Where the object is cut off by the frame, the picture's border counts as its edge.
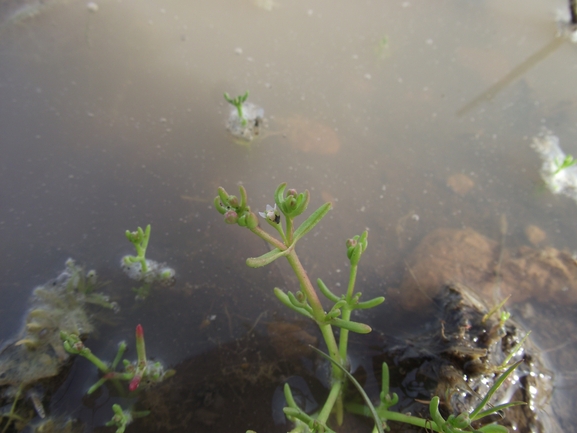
(233, 201)
(242, 220)
(251, 220)
(230, 217)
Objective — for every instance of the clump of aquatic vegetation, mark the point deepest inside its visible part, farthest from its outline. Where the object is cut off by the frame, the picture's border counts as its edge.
(56, 327)
(146, 271)
(558, 170)
(141, 371)
(245, 119)
(289, 204)
(237, 103)
(37, 354)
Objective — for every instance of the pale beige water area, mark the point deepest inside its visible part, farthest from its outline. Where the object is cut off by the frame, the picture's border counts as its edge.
(114, 118)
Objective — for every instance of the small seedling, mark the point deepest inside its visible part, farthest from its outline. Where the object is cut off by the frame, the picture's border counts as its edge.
(144, 270)
(567, 162)
(139, 239)
(237, 103)
(122, 418)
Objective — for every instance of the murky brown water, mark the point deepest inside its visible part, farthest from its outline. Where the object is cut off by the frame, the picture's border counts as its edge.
(114, 118)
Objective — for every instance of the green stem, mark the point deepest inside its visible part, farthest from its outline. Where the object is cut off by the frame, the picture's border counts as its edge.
(346, 313)
(95, 360)
(332, 398)
(325, 328)
(289, 230)
(360, 409)
(268, 238)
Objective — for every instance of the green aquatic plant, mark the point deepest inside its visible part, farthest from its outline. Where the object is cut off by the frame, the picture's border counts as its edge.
(567, 162)
(122, 418)
(237, 103)
(139, 239)
(289, 205)
(144, 270)
(134, 372)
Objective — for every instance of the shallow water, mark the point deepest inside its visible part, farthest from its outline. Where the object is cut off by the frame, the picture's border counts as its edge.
(114, 118)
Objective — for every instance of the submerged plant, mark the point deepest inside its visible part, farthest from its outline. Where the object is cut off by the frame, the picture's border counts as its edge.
(238, 103)
(122, 418)
(134, 372)
(290, 204)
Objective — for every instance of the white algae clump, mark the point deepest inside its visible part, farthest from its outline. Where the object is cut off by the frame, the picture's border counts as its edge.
(247, 127)
(559, 179)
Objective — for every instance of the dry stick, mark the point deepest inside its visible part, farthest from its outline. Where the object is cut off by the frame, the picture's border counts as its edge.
(515, 73)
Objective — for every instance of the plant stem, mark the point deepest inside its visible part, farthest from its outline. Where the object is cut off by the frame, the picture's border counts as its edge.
(289, 230)
(326, 330)
(346, 312)
(95, 360)
(386, 415)
(268, 238)
(334, 395)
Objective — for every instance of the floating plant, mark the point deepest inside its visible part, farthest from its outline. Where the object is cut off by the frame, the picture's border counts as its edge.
(144, 270)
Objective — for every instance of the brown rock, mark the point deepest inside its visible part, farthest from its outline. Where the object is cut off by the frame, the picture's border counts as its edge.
(534, 234)
(467, 257)
(460, 184)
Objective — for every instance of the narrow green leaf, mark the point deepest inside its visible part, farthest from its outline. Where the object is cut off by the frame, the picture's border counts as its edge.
(474, 415)
(493, 428)
(376, 418)
(497, 408)
(326, 291)
(311, 221)
(265, 259)
(514, 350)
(369, 304)
(357, 327)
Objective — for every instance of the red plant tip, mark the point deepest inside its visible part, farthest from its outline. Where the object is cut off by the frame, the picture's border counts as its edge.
(134, 382)
(139, 331)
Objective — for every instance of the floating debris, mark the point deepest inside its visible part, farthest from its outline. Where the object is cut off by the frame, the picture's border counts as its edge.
(558, 171)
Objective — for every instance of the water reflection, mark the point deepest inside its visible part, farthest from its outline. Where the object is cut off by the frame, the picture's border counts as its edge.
(114, 118)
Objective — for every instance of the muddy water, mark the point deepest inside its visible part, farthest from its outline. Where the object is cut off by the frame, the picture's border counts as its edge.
(112, 117)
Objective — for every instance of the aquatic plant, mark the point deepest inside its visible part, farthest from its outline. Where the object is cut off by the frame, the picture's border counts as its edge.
(144, 270)
(134, 372)
(238, 103)
(122, 418)
(305, 301)
(245, 120)
(567, 162)
(35, 357)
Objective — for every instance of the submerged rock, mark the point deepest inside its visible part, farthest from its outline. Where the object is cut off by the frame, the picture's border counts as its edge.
(460, 356)
(466, 256)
